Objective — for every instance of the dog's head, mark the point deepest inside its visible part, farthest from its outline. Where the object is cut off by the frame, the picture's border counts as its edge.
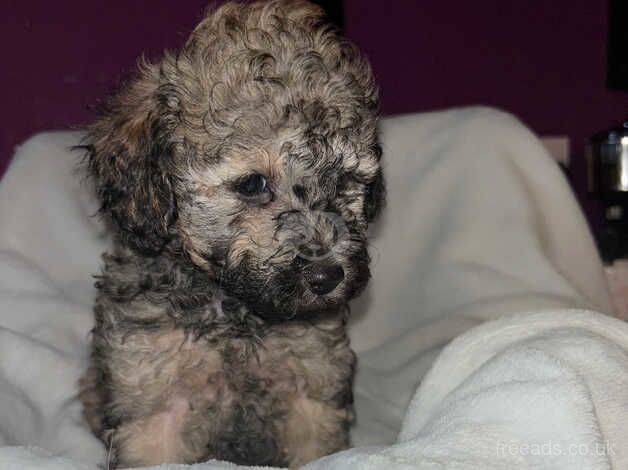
(253, 152)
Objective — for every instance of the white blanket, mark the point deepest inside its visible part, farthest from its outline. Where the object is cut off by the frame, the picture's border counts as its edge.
(481, 240)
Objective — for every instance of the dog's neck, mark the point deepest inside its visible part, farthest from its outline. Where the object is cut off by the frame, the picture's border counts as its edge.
(189, 296)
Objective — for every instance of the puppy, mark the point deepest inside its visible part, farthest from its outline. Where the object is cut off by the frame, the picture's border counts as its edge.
(239, 176)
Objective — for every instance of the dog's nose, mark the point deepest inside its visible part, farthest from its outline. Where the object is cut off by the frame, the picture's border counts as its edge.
(323, 278)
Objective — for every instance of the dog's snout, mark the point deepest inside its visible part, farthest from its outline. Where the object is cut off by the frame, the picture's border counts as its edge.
(323, 278)
(312, 251)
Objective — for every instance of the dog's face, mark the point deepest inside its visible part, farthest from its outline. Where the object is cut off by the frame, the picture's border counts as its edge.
(254, 151)
(281, 221)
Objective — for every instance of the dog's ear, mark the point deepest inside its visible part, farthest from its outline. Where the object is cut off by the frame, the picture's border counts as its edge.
(128, 162)
(374, 199)
(375, 196)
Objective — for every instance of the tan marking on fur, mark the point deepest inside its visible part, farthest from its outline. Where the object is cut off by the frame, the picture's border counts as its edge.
(165, 364)
(311, 430)
(256, 235)
(154, 439)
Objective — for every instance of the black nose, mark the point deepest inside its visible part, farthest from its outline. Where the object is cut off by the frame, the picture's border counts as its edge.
(323, 278)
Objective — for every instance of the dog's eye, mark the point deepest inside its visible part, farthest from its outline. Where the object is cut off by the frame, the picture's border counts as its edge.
(252, 185)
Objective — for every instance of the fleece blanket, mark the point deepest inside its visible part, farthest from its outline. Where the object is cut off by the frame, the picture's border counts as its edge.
(483, 340)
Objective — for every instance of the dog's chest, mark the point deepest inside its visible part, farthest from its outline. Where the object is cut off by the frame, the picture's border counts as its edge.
(251, 388)
(289, 358)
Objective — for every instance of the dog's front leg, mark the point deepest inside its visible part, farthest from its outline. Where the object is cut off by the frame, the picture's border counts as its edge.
(315, 429)
(153, 439)
(166, 398)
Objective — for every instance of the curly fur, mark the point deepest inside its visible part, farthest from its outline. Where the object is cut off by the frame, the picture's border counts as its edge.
(208, 342)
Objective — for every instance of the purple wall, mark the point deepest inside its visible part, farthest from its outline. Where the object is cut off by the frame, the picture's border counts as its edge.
(544, 61)
(59, 58)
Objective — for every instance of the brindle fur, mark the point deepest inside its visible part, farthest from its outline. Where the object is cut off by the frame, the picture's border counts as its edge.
(208, 343)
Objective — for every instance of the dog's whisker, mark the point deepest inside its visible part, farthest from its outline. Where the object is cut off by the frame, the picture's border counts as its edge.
(110, 450)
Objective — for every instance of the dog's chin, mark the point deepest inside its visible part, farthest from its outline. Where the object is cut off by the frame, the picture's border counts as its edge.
(286, 297)
(303, 307)
(306, 306)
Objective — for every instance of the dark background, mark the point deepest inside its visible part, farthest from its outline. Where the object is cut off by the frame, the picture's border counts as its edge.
(544, 61)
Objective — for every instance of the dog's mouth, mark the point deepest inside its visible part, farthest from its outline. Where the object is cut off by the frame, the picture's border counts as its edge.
(299, 291)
